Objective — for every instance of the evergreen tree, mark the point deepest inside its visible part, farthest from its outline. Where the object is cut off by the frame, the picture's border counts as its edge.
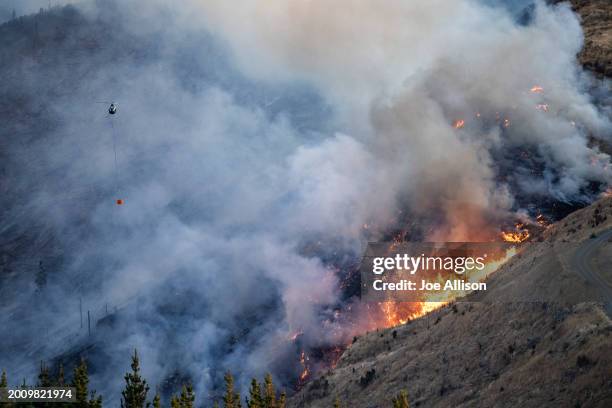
(14, 15)
(175, 402)
(401, 400)
(43, 376)
(255, 400)
(44, 380)
(187, 397)
(80, 382)
(282, 401)
(269, 392)
(337, 403)
(4, 384)
(135, 393)
(231, 399)
(95, 402)
(157, 401)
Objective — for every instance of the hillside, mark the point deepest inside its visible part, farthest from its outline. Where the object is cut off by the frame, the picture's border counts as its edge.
(596, 18)
(489, 353)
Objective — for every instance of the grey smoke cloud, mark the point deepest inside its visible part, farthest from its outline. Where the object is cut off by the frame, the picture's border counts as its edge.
(399, 75)
(226, 180)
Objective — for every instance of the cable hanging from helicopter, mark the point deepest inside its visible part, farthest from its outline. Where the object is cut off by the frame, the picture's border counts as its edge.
(112, 110)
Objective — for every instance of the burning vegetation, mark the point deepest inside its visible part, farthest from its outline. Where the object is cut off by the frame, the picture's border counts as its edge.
(459, 124)
(518, 235)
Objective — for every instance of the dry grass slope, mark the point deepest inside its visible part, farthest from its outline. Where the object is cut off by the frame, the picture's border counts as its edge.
(481, 354)
(596, 18)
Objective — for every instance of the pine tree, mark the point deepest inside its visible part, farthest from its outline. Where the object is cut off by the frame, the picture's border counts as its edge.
(3, 380)
(187, 397)
(157, 401)
(43, 376)
(80, 382)
(175, 402)
(95, 402)
(4, 384)
(282, 401)
(231, 399)
(269, 392)
(255, 400)
(135, 393)
(401, 400)
(337, 403)
(44, 380)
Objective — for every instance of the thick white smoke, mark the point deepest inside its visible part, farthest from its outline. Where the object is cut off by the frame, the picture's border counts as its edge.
(399, 75)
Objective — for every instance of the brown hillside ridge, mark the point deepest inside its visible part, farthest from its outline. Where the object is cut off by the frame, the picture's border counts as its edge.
(493, 353)
(596, 16)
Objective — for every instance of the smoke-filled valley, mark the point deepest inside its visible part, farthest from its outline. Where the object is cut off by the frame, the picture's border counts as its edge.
(255, 150)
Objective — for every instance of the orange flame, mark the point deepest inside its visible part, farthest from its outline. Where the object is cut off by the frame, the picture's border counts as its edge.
(520, 234)
(336, 354)
(397, 313)
(537, 89)
(459, 124)
(542, 221)
(306, 371)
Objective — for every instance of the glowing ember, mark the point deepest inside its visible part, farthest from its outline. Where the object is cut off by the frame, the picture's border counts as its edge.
(335, 353)
(459, 124)
(542, 107)
(520, 234)
(305, 370)
(542, 221)
(506, 123)
(537, 89)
